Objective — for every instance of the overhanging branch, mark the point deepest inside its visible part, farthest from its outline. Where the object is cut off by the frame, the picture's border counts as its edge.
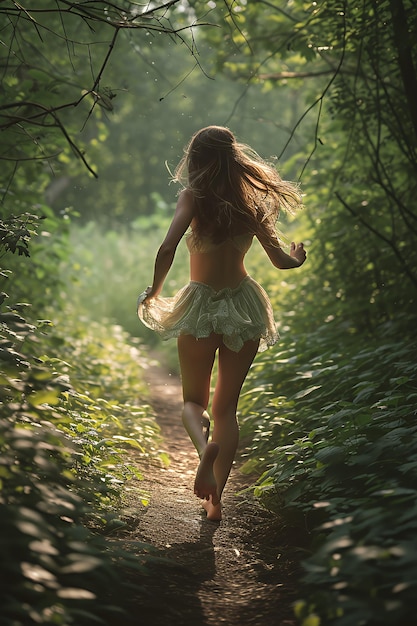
(26, 113)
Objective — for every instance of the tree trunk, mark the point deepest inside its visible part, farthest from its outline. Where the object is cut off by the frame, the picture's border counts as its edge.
(403, 44)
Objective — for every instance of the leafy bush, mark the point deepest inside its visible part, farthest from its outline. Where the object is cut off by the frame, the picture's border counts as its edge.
(54, 570)
(46, 236)
(336, 428)
(72, 405)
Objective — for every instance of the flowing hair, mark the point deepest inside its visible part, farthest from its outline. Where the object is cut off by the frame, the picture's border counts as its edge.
(234, 189)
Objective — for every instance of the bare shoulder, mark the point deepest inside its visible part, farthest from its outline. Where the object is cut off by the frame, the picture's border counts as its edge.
(184, 213)
(186, 205)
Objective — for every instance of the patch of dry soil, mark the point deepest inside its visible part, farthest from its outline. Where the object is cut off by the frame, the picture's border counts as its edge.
(241, 571)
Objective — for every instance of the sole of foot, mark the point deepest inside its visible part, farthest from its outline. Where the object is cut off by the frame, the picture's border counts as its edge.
(205, 483)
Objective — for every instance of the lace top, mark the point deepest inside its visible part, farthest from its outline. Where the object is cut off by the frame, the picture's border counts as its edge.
(204, 244)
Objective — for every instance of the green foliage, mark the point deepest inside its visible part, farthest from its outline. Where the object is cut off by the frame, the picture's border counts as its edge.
(104, 409)
(330, 418)
(108, 269)
(333, 418)
(53, 70)
(86, 91)
(16, 233)
(48, 237)
(72, 407)
(54, 570)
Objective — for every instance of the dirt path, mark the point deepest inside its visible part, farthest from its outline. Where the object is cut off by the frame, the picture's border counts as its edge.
(238, 572)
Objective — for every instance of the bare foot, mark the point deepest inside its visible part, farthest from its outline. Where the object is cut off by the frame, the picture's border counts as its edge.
(214, 511)
(205, 483)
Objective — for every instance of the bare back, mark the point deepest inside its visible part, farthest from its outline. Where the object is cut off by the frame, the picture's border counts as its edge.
(219, 268)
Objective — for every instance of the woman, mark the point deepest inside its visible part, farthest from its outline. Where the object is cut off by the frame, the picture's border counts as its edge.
(230, 196)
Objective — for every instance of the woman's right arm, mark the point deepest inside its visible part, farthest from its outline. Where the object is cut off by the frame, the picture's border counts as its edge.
(183, 216)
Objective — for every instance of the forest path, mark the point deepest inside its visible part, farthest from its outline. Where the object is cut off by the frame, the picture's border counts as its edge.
(238, 572)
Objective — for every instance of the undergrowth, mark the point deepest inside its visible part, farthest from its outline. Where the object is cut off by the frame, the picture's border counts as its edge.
(72, 407)
(332, 423)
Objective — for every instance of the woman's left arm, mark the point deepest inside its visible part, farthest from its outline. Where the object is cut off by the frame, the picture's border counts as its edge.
(183, 216)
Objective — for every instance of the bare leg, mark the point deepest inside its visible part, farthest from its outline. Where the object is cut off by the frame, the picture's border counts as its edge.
(193, 418)
(233, 368)
(196, 362)
(196, 420)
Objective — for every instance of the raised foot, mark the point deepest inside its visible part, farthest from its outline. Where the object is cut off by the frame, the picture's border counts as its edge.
(205, 483)
(214, 511)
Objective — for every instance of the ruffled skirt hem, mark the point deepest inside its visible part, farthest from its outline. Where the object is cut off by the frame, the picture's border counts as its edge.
(239, 315)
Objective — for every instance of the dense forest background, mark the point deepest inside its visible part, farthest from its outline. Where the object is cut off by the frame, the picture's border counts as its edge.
(97, 101)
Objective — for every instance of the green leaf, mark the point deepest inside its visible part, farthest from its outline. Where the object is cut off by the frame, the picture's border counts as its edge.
(45, 396)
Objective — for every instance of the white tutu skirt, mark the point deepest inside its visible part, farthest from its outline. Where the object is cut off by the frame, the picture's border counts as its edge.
(239, 315)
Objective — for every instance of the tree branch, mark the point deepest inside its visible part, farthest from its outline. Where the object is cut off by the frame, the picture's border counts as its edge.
(290, 75)
(110, 14)
(405, 59)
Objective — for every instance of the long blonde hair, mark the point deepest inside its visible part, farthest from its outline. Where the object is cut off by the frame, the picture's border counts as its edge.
(235, 190)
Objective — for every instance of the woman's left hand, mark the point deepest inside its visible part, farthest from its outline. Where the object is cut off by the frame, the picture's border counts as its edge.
(297, 252)
(143, 296)
(150, 293)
